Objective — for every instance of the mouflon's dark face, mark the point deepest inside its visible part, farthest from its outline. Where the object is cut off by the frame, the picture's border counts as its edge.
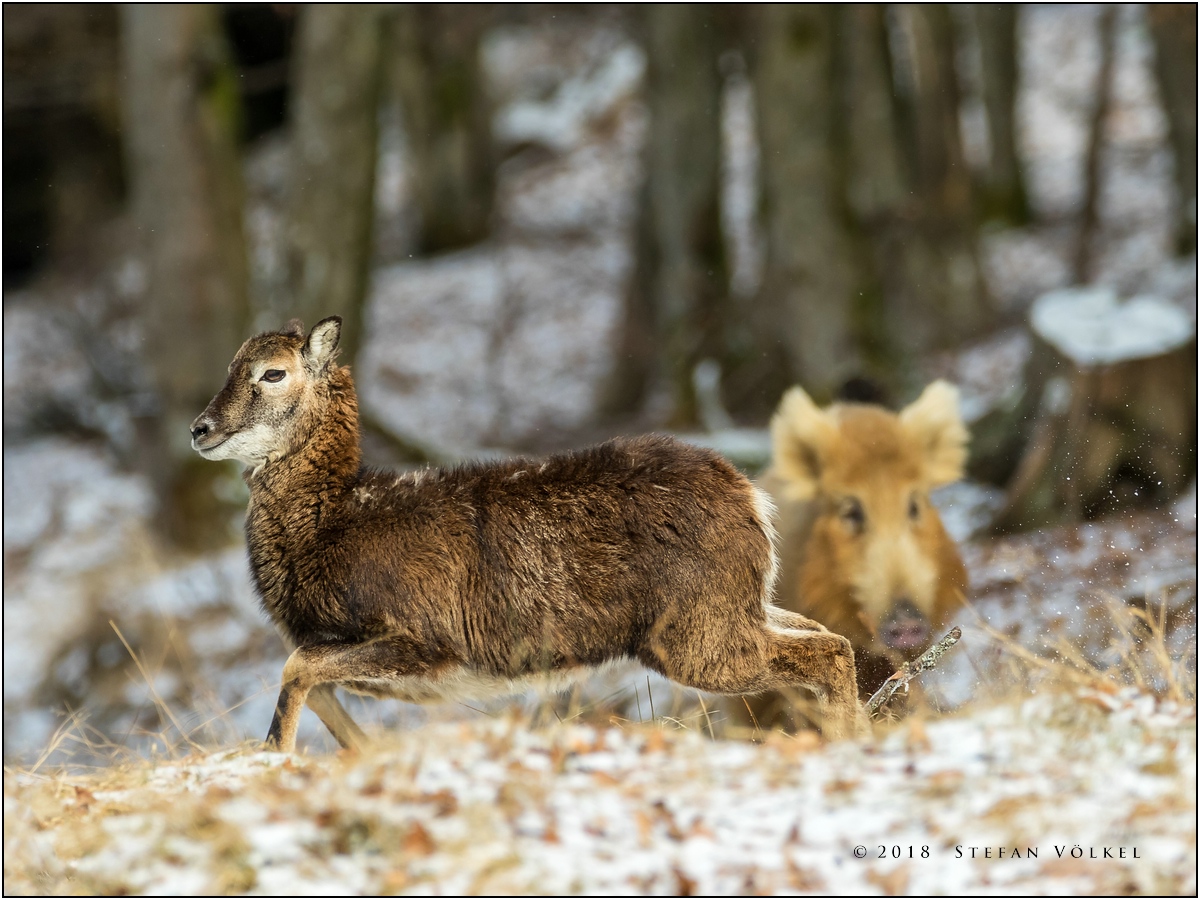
(264, 410)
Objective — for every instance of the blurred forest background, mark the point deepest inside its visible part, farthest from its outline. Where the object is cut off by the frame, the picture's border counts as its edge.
(545, 224)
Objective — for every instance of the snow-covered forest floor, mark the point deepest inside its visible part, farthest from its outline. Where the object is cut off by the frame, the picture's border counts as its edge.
(1089, 792)
(118, 651)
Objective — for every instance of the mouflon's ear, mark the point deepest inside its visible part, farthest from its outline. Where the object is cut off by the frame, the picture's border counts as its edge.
(322, 343)
(294, 327)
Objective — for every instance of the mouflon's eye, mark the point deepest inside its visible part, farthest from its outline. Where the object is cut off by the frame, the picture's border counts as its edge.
(273, 376)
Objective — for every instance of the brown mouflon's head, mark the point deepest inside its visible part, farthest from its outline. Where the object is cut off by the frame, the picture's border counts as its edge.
(867, 473)
(277, 384)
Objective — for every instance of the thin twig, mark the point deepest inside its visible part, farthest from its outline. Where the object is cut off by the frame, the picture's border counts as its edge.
(753, 718)
(910, 670)
(60, 734)
(707, 718)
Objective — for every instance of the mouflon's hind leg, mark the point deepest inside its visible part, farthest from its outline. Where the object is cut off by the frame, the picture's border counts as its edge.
(324, 702)
(777, 617)
(746, 655)
(824, 663)
(322, 664)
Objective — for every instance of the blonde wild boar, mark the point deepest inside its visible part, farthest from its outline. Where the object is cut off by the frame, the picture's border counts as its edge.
(862, 549)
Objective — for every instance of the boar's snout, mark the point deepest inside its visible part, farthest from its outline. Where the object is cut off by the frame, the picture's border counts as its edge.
(905, 628)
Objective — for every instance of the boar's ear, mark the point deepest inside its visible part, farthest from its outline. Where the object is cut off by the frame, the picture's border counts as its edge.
(933, 423)
(801, 436)
(322, 343)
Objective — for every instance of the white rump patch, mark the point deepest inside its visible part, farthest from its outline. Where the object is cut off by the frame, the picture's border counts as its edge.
(764, 512)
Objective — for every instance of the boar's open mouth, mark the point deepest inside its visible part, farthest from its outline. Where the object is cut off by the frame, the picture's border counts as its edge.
(905, 628)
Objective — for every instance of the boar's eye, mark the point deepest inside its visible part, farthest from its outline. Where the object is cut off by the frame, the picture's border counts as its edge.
(853, 515)
(273, 376)
(914, 508)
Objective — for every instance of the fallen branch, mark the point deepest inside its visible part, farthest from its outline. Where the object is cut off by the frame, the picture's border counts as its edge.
(910, 670)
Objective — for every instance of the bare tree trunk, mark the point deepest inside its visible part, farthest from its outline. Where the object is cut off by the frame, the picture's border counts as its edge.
(334, 114)
(874, 184)
(1004, 196)
(181, 119)
(869, 207)
(1088, 217)
(681, 274)
(1174, 29)
(637, 352)
(944, 298)
(62, 108)
(800, 326)
(447, 117)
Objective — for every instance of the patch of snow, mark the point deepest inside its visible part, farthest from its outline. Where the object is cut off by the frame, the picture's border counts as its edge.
(966, 507)
(989, 375)
(46, 374)
(561, 120)
(492, 807)
(1090, 327)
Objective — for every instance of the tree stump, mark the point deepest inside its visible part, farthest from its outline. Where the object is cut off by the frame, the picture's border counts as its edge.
(1114, 391)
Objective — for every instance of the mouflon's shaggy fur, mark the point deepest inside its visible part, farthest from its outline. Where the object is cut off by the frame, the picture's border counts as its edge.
(486, 578)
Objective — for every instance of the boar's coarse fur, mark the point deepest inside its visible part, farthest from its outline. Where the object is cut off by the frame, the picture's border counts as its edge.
(862, 549)
(486, 578)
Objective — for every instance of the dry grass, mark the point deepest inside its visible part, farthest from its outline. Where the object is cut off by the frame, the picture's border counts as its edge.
(389, 821)
(173, 822)
(1139, 655)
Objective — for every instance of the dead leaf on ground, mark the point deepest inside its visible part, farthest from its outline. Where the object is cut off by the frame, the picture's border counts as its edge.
(655, 743)
(893, 883)
(418, 841)
(684, 886)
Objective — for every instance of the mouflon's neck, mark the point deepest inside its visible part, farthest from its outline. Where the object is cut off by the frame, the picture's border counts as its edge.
(328, 461)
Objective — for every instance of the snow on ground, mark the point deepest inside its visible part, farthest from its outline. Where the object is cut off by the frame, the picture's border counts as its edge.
(1077, 592)
(1091, 793)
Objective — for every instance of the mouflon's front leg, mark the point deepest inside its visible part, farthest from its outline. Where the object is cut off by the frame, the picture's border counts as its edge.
(310, 673)
(324, 702)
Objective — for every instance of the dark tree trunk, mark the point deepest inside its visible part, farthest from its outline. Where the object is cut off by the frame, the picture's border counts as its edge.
(1174, 29)
(180, 125)
(637, 352)
(868, 204)
(1089, 215)
(944, 299)
(63, 170)
(331, 193)
(877, 193)
(800, 328)
(447, 115)
(1003, 196)
(680, 284)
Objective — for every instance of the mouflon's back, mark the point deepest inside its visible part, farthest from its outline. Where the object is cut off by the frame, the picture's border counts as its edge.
(527, 564)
